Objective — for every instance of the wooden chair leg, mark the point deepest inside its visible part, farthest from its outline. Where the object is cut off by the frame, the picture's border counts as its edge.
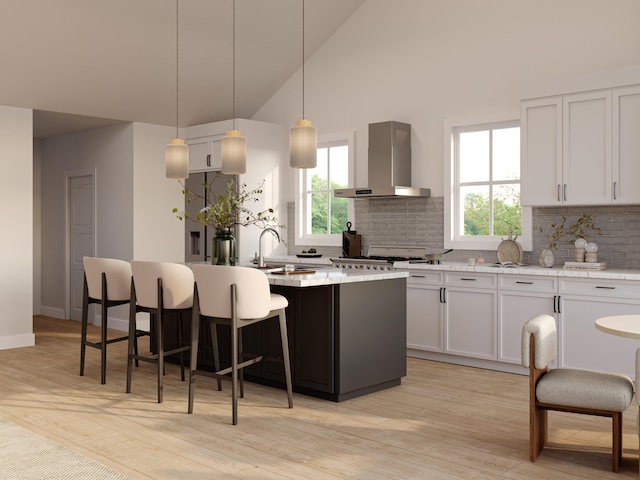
(193, 360)
(85, 320)
(537, 431)
(216, 350)
(160, 342)
(103, 344)
(617, 440)
(285, 355)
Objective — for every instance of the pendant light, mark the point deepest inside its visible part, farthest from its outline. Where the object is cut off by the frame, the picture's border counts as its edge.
(177, 152)
(234, 145)
(303, 137)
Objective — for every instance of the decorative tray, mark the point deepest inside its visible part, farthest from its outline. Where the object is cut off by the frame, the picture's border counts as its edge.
(295, 272)
(308, 255)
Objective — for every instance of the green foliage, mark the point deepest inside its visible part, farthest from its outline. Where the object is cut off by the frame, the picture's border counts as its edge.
(507, 213)
(320, 203)
(228, 209)
(586, 221)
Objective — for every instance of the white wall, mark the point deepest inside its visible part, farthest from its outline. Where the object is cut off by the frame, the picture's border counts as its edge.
(424, 61)
(37, 219)
(157, 234)
(108, 151)
(16, 244)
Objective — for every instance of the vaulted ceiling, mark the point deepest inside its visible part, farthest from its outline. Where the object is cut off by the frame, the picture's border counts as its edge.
(96, 62)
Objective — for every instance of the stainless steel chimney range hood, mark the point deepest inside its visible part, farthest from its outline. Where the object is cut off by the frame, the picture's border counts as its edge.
(389, 164)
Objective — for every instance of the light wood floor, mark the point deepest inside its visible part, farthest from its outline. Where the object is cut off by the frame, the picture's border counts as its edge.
(443, 422)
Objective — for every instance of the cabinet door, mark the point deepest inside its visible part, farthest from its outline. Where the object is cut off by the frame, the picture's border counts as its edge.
(470, 322)
(586, 155)
(582, 346)
(626, 145)
(541, 151)
(424, 318)
(514, 310)
(204, 153)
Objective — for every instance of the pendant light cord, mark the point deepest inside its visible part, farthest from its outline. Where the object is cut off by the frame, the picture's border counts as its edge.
(234, 67)
(177, 66)
(303, 59)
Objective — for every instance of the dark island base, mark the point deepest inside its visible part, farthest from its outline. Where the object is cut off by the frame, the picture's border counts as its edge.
(345, 340)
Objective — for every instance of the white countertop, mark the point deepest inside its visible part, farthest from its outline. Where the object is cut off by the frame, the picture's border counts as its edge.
(332, 276)
(557, 271)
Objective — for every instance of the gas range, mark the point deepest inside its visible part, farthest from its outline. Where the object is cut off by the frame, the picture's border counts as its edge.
(381, 258)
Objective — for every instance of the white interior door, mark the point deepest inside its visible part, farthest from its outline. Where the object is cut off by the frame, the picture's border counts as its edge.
(81, 237)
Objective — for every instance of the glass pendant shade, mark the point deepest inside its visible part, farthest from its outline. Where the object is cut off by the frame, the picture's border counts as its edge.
(234, 153)
(177, 159)
(303, 145)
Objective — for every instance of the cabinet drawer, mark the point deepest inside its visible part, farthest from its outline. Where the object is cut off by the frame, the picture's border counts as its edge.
(600, 288)
(472, 280)
(425, 277)
(528, 283)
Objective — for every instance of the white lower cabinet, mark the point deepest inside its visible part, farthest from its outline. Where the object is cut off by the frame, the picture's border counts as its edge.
(476, 318)
(521, 297)
(470, 320)
(581, 345)
(424, 311)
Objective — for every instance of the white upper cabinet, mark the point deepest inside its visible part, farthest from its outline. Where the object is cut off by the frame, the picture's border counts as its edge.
(581, 149)
(626, 145)
(586, 148)
(541, 151)
(204, 153)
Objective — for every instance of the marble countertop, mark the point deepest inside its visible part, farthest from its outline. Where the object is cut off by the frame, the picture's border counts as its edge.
(332, 276)
(557, 271)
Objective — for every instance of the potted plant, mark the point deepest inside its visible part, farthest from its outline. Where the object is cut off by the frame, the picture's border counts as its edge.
(226, 211)
(560, 230)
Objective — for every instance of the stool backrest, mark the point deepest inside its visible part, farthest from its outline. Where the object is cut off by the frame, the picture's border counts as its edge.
(253, 297)
(118, 274)
(177, 284)
(543, 329)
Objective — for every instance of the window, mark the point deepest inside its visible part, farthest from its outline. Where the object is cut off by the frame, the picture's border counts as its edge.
(322, 217)
(484, 183)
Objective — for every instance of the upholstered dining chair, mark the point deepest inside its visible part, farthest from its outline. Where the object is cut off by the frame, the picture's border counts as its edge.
(107, 282)
(165, 291)
(235, 296)
(568, 390)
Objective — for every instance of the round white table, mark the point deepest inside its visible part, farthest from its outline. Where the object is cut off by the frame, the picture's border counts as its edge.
(621, 325)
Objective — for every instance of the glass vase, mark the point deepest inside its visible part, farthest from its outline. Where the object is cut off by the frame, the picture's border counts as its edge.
(223, 247)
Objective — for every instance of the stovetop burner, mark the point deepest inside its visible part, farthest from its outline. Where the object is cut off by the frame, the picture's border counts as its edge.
(381, 257)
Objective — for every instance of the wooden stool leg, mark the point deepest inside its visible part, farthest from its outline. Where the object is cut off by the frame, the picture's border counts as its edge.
(85, 320)
(216, 350)
(285, 356)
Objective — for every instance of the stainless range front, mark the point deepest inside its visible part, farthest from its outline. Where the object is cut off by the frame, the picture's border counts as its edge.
(380, 257)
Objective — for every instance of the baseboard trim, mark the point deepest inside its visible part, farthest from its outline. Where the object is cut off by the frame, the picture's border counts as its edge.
(17, 341)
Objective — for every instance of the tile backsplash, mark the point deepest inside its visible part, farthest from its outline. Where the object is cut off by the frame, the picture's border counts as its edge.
(420, 221)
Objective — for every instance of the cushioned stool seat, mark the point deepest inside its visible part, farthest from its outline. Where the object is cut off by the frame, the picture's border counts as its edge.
(585, 389)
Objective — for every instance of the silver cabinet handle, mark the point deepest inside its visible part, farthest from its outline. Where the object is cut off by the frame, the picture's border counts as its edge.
(605, 288)
(417, 276)
(564, 192)
(559, 199)
(468, 279)
(209, 160)
(615, 184)
(524, 283)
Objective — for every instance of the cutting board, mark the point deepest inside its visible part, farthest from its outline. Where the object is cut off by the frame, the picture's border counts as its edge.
(295, 272)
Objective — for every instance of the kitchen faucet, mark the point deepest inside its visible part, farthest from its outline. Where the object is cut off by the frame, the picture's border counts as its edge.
(260, 257)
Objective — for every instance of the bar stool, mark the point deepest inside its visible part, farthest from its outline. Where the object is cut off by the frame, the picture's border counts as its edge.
(107, 282)
(238, 297)
(165, 291)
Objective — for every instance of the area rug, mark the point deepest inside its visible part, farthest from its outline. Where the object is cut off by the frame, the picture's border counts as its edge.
(25, 455)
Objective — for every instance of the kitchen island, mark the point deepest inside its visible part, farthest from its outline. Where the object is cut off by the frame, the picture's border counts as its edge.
(347, 334)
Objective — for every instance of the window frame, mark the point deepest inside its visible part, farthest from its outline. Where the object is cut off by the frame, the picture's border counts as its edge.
(326, 240)
(452, 236)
